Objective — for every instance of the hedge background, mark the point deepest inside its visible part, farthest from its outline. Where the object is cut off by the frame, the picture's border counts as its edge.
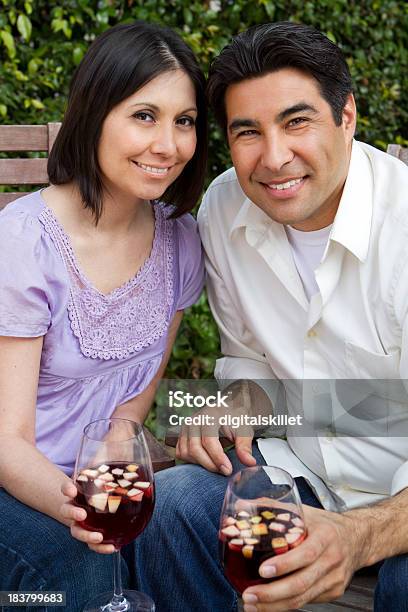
(41, 43)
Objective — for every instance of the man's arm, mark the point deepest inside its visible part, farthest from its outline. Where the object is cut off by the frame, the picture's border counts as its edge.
(337, 545)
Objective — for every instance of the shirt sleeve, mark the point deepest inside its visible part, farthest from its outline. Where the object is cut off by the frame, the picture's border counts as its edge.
(191, 264)
(243, 356)
(24, 308)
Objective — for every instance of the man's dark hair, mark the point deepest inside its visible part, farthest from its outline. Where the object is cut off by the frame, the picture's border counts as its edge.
(120, 61)
(272, 46)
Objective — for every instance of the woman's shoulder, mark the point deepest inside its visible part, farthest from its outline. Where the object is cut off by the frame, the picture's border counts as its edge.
(20, 220)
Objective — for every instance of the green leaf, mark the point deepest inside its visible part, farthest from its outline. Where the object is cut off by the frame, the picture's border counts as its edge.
(8, 42)
(77, 55)
(37, 104)
(3, 110)
(24, 27)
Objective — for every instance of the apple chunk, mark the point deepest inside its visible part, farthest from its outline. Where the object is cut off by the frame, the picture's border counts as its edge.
(98, 501)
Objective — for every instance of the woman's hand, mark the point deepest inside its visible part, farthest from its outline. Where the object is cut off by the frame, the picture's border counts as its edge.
(72, 515)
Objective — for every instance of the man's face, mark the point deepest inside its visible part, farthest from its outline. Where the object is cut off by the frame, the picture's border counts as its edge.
(290, 157)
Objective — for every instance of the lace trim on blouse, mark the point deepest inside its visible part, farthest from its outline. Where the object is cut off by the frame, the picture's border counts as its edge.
(131, 317)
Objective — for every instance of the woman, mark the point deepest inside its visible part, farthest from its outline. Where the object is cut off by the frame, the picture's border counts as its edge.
(95, 272)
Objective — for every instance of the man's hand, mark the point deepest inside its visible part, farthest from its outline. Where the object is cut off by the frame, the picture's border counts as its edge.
(72, 514)
(202, 445)
(322, 565)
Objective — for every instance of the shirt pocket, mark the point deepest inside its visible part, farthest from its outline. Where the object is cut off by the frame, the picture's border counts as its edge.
(362, 363)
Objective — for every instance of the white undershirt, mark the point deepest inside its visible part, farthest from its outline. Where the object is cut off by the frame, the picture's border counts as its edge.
(308, 249)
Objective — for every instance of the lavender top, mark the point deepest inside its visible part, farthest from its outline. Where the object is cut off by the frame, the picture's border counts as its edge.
(99, 350)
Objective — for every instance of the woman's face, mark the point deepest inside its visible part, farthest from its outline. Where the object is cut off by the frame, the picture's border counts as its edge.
(148, 138)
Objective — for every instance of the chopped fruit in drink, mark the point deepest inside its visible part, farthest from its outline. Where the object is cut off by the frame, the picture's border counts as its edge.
(295, 530)
(243, 514)
(294, 539)
(260, 529)
(280, 545)
(268, 515)
(130, 475)
(98, 501)
(256, 519)
(91, 473)
(120, 491)
(231, 531)
(124, 483)
(103, 468)
(229, 521)
(118, 471)
(297, 522)
(82, 478)
(235, 544)
(138, 497)
(99, 483)
(246, 533)
(251, 541)
(110, 486)
(134, 492)
(141, 485)
(284, 517)
(248, 551)
(277, 527)
(113, 503)
(107, 477)
(243, 525)
(131, 467)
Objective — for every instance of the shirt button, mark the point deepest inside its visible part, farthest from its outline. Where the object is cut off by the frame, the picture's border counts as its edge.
(311, 333)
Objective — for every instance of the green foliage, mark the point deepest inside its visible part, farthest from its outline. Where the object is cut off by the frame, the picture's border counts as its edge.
(41, 43)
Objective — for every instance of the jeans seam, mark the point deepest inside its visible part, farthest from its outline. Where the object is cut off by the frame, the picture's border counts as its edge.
(42, 581)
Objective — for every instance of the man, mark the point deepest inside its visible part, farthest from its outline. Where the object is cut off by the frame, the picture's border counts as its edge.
(306, 248)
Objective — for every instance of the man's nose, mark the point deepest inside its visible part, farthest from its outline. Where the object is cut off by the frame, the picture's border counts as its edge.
(164, 142)
(276, 153)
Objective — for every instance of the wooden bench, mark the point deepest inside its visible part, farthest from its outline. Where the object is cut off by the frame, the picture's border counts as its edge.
(33, 171)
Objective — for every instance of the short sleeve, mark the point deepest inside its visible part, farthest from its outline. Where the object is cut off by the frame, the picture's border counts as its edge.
(191, 264)
(24, 308)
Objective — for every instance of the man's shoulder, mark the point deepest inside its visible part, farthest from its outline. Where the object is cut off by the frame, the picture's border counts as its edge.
(224, 196)
(390, 182)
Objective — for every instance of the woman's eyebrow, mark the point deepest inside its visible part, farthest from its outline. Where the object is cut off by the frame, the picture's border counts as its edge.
(157, 108)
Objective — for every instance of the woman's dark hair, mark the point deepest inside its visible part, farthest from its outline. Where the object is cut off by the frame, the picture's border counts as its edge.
(272, 46)
(120, 61)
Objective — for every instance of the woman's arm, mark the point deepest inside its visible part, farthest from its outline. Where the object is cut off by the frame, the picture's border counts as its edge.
(135, 409)
(25, 472)
(138, 407)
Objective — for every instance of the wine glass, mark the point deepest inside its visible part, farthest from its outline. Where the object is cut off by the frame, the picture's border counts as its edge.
(114, 477)
(261, 517)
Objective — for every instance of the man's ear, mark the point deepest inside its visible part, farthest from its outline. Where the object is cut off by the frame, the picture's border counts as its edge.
(349, 118)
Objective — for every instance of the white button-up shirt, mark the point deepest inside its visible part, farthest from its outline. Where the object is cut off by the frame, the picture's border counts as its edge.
(353, 444)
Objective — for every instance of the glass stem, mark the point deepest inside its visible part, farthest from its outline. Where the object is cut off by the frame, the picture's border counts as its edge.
(118, 602)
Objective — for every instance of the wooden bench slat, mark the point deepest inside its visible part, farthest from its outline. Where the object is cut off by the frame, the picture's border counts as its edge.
(6, 198)
(23, 171)
(23, 138)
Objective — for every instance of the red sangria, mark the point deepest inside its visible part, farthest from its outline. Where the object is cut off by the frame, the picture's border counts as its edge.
(118, 499)
(247, 540)
(261, 517)
(114, 480)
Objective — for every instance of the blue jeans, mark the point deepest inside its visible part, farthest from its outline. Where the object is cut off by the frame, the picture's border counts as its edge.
(38, 553)
(177, 559)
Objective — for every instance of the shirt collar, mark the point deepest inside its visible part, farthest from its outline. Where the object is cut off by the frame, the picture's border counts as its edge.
(352, 224)
(251, 216)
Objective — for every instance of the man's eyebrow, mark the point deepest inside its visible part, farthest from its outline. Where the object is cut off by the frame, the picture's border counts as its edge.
(241, 123)
(297, 108)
